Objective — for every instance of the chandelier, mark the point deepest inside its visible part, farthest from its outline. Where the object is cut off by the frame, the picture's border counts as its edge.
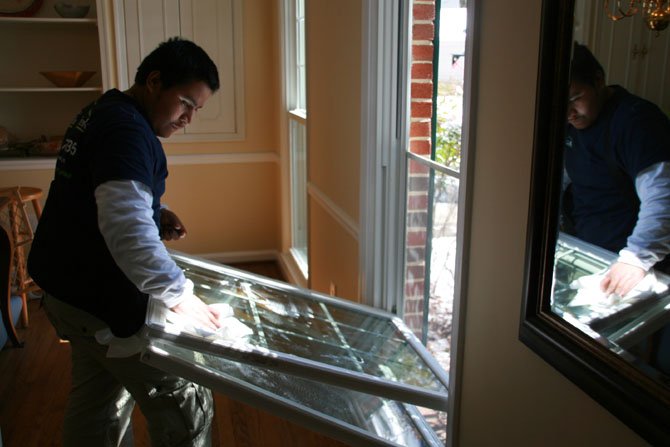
(656, 12)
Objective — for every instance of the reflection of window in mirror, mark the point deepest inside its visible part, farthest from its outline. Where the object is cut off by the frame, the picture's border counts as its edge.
(612, 267)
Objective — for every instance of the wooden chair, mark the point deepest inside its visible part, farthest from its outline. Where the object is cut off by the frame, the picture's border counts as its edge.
(6, 270)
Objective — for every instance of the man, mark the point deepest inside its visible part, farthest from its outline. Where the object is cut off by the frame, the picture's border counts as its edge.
(617, 158)
(98, 255)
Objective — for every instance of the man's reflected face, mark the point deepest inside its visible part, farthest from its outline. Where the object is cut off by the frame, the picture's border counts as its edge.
(584, 104)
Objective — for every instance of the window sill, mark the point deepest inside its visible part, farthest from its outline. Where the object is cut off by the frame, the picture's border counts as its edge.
(292, 270)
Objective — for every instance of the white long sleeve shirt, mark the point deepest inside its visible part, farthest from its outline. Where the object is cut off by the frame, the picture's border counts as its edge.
(649, 242)
(125, 219)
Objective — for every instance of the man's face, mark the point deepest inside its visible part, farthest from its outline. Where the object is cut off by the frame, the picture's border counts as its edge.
(172, 109)
(584, 104)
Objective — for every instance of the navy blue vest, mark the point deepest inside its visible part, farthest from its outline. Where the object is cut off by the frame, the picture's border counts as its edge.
(111, 139)
(603, 161)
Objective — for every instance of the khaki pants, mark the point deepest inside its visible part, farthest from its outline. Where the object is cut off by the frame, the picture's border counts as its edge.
(104, 392)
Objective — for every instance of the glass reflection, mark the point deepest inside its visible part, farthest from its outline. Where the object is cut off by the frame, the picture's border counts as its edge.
(610, 152)
(577, 261)
(383, 418)
(627, 326)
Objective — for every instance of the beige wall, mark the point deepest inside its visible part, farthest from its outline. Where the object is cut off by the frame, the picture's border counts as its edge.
(335, 256)
(225, 208)
(334, 140)
(510, 396)
(334, 90)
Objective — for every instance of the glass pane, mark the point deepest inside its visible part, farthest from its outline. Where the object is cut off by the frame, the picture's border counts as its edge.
(299, 192)
(431, 228)
(432, 212)
(300, 41)
(442, 266)
(450, 74)
(387, 420)
(312, 335)
(301, 102)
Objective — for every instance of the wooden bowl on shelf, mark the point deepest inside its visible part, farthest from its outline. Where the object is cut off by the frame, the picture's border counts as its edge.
(68, 78)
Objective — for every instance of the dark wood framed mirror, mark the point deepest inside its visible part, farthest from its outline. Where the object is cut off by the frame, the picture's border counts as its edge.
(599, 364)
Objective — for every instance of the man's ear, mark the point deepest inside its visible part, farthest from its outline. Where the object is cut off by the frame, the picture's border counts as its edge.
(153, 83)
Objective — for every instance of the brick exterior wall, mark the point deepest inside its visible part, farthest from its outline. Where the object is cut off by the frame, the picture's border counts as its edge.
(423, 34)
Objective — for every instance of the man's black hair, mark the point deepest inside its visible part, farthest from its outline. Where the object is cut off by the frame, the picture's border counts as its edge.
(585, 68)
(179, 61)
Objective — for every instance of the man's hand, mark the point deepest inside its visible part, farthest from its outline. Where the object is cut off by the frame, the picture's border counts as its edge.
(621, 278)
(171, 226)
(195, 310)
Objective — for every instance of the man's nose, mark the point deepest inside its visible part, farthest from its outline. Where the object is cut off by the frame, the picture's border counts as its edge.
(188, 116)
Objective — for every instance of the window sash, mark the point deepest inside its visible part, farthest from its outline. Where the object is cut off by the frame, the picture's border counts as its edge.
(345, 344)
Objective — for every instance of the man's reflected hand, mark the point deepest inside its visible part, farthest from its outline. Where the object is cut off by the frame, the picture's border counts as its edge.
(195, 310)
(621, 278)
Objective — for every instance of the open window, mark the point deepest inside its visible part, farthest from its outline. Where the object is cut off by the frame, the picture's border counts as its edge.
(347, 370)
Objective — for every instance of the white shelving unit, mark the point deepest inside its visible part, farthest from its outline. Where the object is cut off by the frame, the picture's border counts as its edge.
(30, 105)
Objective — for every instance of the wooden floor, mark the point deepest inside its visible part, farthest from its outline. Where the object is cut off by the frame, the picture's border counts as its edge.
(36, 380)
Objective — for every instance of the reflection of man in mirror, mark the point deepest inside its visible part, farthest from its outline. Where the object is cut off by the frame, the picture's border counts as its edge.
(617, 157)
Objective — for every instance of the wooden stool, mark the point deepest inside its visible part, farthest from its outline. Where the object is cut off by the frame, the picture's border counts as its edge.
(21, 233)
(27, 193)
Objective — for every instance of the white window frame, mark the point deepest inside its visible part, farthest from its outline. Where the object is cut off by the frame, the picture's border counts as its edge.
(384, 130)
(295, 262)
(383, 133)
